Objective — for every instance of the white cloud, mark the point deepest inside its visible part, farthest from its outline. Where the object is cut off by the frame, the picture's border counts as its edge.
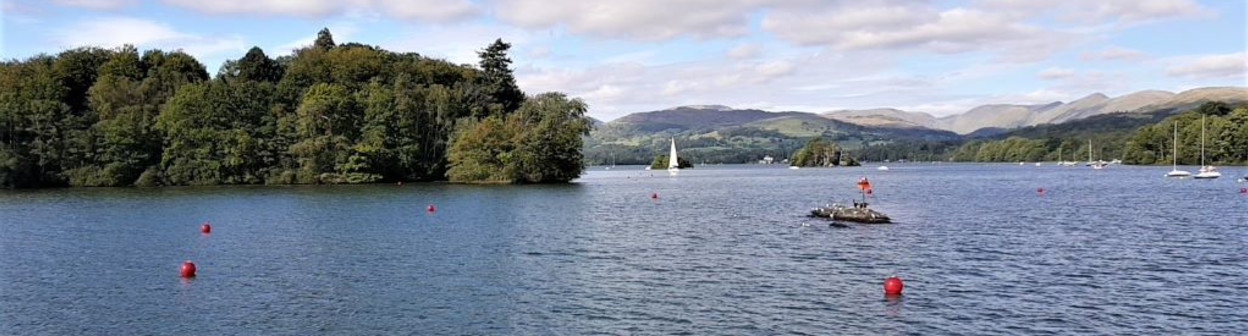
(117, 31)
(539, 52)
(423, 10)
(459, 43)
(1137, 10)
(1056, 73)
(1103, 11)
(746, 51)
(637, 19)
(775, 69)
(917, 26)
(95, 4)
(1212, 66)
(1112, 53)
(271, 7)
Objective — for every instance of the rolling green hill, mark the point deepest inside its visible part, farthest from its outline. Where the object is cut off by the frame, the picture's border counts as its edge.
(718, 134)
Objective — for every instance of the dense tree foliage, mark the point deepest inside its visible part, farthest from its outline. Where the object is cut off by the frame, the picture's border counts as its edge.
(821, 153)
(662, 162)
(913, 150)
(539, 143)
(328, 113)
(1226, 137)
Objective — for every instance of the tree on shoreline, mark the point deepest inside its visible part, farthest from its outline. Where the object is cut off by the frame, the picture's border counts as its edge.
(327, 113)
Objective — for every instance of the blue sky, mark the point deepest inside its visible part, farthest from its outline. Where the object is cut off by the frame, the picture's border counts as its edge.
(940, 57)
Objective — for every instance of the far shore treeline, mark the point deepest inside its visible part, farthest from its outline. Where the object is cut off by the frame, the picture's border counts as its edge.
(326, 114)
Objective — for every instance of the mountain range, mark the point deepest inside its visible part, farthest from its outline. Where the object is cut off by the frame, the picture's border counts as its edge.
(717, 133)
(1009, 116)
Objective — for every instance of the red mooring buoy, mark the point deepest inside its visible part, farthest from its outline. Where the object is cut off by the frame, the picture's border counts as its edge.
(1039, 190)
(206, 228)
(188, 269)
(654, 195)
(1243, 190)
(893, 285)
(431, 208)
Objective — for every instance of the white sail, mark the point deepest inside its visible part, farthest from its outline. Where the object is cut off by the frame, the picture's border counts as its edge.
(673, 163)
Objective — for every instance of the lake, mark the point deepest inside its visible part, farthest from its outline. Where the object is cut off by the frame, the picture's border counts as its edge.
(723, 250)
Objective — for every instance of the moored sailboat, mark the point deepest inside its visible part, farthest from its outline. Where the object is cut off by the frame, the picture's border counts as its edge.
(1174, 170)
(1206, 172)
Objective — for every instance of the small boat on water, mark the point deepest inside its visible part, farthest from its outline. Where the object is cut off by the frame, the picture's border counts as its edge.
(882, 168)
(794, 167)
(1174, 164)
(1098, 164)
(1206, 172)
(673, 164)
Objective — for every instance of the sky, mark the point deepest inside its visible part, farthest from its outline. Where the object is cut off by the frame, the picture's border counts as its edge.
(621, 57)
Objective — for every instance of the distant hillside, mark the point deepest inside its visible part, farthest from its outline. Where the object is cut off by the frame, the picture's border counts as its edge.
(887, 117)
(685, 117)
(1010, 116)
(1135, 137)
(719, 134)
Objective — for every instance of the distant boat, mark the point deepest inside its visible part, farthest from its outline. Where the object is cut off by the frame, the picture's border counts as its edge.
(1206, 172)
(882, 168)
(673, 164)
(1037, 164)
(1097, 165)
(1174, 164)
(1059, 159)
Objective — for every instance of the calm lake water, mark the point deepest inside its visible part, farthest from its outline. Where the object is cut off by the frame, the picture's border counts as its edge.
(724, 250)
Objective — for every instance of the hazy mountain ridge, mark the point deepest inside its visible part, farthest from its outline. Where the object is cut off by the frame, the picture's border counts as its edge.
(1009, 116)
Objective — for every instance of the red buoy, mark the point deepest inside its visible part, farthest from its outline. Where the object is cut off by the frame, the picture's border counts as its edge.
(1039, 190)
(893, 285)
(431, 208)
(188, 269)
(206, 228)
(1243, 190)
(654, 195)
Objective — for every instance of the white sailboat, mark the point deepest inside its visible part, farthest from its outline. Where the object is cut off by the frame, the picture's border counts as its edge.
(673, 163)
(1175, 172)
(1098, 165)
(1206, 172)
(1059, 159)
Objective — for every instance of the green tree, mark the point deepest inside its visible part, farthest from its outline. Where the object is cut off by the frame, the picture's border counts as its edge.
(254, 66)
(498, 80)
(324, 40)
(820, 153)
(540, 143)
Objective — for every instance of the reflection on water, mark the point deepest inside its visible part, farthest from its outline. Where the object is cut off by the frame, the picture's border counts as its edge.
(723, 250)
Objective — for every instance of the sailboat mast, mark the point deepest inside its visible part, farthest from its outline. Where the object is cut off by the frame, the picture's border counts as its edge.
(1202, 141)
(1175, 147)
